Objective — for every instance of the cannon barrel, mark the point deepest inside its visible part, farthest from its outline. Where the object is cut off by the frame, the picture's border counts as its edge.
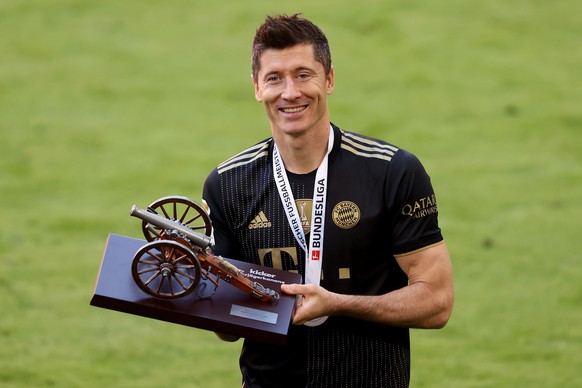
(194, 237)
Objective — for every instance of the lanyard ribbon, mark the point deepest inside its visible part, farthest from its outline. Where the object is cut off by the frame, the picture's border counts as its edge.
(314, 253)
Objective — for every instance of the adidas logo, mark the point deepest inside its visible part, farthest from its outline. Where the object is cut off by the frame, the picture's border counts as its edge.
(260, 221)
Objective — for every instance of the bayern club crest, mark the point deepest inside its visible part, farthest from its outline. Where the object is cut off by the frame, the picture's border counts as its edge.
(346, 214)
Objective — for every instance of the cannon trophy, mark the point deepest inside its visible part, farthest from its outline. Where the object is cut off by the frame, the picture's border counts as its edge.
(178, 255)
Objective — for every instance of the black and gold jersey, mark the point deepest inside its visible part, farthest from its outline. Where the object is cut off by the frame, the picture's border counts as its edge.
(380, 204)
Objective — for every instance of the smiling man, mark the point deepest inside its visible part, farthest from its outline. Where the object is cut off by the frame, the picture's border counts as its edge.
(339, 208)
(294, 87)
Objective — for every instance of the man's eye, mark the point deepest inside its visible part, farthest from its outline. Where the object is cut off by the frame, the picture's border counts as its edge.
(272, 78)
(303, 76)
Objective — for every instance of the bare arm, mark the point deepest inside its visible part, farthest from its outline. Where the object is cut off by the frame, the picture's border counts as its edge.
(426, 302)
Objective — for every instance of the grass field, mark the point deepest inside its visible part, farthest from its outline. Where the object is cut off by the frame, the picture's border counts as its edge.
(104, 104)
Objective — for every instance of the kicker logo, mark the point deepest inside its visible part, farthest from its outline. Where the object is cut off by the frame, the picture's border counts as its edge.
(260, 221)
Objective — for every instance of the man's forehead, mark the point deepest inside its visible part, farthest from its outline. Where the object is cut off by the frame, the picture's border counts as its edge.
(297, 56)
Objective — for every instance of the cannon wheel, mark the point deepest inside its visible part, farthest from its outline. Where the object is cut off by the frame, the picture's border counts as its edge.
(165, 269)
(180, 209)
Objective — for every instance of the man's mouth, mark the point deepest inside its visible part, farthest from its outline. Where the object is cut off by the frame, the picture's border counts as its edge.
(294, 109)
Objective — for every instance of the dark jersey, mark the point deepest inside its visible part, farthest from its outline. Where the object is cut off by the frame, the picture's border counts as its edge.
(380, 204)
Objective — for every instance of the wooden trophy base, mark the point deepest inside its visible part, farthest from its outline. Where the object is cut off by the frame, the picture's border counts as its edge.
(228, 311)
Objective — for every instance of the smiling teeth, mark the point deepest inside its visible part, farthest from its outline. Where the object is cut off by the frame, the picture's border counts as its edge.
(292, 110)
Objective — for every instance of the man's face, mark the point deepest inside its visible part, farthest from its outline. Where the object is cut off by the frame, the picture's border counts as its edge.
(293, 87)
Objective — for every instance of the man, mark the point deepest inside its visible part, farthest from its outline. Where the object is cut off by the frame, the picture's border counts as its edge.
(356, 216)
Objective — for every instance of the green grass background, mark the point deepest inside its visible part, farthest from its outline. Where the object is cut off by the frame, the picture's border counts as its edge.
(104, 104)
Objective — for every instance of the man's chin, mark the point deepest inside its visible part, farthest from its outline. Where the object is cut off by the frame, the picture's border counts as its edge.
(295, 128)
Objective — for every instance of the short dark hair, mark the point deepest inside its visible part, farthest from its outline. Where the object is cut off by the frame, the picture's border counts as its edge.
(283, 31)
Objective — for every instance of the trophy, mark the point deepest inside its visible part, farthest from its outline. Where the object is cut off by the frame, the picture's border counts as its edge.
(177, 256)
(150, 278)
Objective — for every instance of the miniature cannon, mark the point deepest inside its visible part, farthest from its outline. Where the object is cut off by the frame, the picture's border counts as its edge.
(177, 256)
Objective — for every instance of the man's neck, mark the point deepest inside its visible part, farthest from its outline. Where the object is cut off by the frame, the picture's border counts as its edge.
(303, 154)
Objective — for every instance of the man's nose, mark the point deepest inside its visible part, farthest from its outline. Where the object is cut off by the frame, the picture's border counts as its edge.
(290, 90)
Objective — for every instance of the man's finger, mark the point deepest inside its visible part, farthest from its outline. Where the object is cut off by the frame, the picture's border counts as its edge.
(292, 289)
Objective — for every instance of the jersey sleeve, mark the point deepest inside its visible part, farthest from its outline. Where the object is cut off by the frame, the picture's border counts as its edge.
(413, 205)
(224, 240)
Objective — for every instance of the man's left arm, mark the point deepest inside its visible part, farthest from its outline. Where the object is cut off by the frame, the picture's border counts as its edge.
(426, 302)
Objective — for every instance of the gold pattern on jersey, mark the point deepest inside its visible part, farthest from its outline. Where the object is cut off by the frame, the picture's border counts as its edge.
(366, 147)
(344, 273)
(276, 257)
(247, 156)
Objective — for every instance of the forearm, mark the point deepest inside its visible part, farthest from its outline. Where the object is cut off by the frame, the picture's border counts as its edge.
(415, 306)
(426, 302)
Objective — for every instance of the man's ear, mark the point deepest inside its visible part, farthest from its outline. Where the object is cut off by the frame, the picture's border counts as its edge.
(330, 81)
(258, 95)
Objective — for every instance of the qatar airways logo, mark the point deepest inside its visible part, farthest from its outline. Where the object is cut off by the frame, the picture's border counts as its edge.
(421, 207)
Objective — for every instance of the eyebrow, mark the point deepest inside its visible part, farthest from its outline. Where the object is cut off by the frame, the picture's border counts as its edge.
(297, 69)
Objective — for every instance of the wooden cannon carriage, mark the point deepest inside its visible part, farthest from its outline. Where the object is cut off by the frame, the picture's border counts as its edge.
(179, 255)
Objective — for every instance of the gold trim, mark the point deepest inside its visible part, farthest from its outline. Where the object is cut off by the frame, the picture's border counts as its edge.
(420, 249)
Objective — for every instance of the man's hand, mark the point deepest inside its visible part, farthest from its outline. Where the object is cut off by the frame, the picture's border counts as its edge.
(314, 301)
